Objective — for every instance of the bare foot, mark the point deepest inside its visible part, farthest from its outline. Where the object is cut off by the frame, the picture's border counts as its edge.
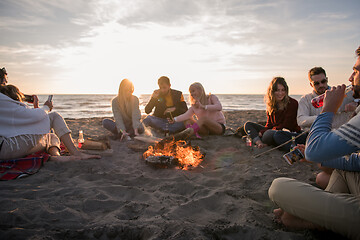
(260, 144)
(293, 222)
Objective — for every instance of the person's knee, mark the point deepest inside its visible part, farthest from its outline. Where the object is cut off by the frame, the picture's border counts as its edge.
(147, 121)
(141, 129)
(55, 117)
(322, 179)
(247, 125)
(107, 122)
(55, 114)
(278, 136)
(276, 187)
(268, 137)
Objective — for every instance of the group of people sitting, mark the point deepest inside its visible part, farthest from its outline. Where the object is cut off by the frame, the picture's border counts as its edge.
(171, 114)
(332, 141)
(337, 208)
(286, 118)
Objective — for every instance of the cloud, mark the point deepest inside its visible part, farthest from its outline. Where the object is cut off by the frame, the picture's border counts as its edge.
(223, 38)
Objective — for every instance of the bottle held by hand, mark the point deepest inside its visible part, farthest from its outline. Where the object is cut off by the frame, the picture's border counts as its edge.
(319, 100)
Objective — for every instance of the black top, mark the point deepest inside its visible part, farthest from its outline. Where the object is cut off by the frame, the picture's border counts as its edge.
(160, 105)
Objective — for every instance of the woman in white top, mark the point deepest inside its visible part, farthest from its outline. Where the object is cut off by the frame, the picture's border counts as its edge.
(125, 107)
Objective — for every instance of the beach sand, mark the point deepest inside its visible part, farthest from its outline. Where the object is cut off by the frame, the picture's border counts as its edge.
(121, 197)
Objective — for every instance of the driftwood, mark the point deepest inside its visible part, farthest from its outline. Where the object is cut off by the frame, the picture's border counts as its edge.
(260, 154)
(147, 139)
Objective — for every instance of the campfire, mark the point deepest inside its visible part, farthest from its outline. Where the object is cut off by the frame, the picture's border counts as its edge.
(174, 153)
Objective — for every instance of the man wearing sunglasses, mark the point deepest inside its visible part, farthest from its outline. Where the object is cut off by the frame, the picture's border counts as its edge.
(307, 113)
(303, 206)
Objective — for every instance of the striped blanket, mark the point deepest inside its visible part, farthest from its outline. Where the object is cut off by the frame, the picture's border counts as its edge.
(22, 167)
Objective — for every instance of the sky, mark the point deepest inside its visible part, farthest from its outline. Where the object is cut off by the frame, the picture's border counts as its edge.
(230, 46)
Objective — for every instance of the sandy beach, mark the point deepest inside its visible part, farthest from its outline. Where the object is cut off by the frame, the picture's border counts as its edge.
(122, 197)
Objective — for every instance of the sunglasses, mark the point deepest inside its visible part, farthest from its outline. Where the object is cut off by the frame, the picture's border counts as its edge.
(322, 82)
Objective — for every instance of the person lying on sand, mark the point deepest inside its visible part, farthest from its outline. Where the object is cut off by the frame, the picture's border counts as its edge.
(26, 130)
(303, 206)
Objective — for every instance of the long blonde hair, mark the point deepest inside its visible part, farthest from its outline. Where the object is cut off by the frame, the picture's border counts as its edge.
(124, 103)
(271, 104)
(203, 98)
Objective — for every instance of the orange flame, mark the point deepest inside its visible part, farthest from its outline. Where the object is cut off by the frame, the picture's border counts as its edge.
(187, 156)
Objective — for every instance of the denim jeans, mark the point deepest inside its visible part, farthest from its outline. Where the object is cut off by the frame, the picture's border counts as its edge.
(111, 126)
(253, 129)
(283, 136)
(162, 124)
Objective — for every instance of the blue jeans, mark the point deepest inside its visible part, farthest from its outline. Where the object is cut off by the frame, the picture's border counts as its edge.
(162, 124)
(111, 126)
(254, 129)
(283, 136)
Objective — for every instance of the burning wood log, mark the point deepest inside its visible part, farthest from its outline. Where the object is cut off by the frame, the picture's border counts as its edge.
(174, 153)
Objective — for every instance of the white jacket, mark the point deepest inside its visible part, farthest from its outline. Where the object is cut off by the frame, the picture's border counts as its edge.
(16, 118)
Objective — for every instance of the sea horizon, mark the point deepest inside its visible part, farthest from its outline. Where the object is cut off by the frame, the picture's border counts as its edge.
(99, 105)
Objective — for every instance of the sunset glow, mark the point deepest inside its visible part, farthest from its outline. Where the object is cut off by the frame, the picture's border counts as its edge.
(229, 46)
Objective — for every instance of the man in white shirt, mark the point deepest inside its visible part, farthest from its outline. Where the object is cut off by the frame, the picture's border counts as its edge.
(307, 113)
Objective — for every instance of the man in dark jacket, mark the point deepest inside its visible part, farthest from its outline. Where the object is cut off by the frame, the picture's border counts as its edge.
(168, 103)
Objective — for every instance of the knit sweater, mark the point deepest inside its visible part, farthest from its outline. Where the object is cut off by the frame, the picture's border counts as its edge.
(283, 118)
(125, 120)
(330, 147)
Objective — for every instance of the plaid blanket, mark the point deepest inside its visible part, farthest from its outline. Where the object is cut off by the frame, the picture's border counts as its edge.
(22, 167)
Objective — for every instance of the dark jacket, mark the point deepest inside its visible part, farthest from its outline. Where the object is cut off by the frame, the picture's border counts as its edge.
(160, 105)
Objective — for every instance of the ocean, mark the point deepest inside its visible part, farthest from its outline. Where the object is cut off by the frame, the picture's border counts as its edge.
(99, 105)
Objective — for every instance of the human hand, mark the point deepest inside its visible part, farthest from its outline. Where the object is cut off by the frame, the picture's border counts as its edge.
(169, 110)
(350, 107)
(260, 144)
(136, 132)
(125, 136)
(199, 105)
(36, 101)
(155, 94)
(301, 147)
(49, 104)
(333, 98)
(171, 121)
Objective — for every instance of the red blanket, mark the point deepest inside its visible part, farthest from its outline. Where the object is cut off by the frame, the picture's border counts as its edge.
(21, 167)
